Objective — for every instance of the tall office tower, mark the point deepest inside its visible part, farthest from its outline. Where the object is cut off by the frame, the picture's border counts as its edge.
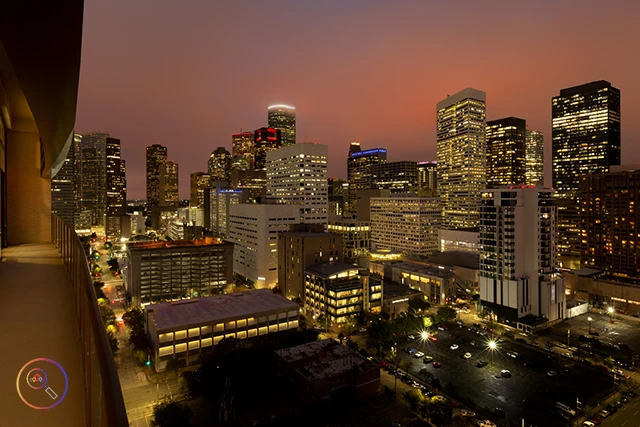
(116, 179)
(427, 179)
(220, 165)
(337, 190)
(217, 215)
(405, 223)
(356, 238)
(63, 187)
(93, 164)
(506, 152)
(283, 118)
(240, 163)
(254, 229)
(156, 156)
(200, 182)
(518, 256)
(297, 175)
(534, 158)
(585, 138)
(609, 218)
(264, 141)
(253, 183)
(461, 151)
(242, 146)
(358, 173)
(397, 177)
(169, 190)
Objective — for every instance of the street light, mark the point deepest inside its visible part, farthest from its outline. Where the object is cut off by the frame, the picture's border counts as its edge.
(589, 319)
(611, 312)
(492, 346)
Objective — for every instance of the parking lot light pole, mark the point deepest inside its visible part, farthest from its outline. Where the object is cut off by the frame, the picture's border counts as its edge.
(589, 319)
(611, 312)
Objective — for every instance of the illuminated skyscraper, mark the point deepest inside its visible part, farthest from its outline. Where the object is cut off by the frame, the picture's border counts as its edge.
(220, 165)
(534, 159)
(156, 156)
(242, 146)
(116, 183)
(506, 152)
(200, 182)
(585, 140)
(427, 179)
(358, 170)
(461, 152)
(64, 188)
(283, 117)
(169, 195)
(93, 169)
(265, 140)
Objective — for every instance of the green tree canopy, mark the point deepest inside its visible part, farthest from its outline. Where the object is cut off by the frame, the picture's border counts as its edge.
(171, 414)
(446, 313)
(175, 364)
(418, 304)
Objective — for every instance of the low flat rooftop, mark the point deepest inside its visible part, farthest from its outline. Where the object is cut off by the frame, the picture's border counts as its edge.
(420, 268)
(327, 269)
(457, 258)
(216, 309)
(393, 290)
(175, 244)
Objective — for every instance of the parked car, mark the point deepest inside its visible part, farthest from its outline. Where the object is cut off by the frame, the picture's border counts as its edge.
(427, 359)
(588, 424)
(437, 364)
(411, 337)
(552, 373)
(467, 356)
(513, 354)
(454, 347)
(482, 363)
(468, 414)
(418, 354)
(505, 373)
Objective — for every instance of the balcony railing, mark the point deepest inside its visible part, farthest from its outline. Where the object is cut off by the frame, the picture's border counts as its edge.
(103, 396)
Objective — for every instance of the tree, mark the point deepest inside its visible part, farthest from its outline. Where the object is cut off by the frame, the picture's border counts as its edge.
(175, 364)
(418, 304)
(380, 336)
(353, 345)
(437, 410)
(414, 398)
(446, 314)
(113, 264)
(302, 322)
(108, 245)
(97, 286)
(107, 315)
(171, 414)
(113, 341)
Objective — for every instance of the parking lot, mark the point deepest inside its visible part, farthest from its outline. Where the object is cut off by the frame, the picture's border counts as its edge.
(529, 392)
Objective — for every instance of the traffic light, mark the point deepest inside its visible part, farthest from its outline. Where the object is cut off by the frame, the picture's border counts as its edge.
(148, 363)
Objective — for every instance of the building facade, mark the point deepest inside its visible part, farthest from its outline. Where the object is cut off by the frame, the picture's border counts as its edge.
(358, 171)
(609, 218)
(183, 269)
(219, 165)
(534, 159)
(254, 231)
(116, 181)
(397, 177)
(297, 175)
(506, 152)
(242, 146)
(408, 224)
(220, 202)
(427, 179)
(461, 155)
(93, 170)
(169, 195)
(186, 329)
(518, 256)
(356, 238)
(585, 140)
(156, 156)
(300, 247)
(200, 182)
(283, 118)
(64, 187)
(264, 141)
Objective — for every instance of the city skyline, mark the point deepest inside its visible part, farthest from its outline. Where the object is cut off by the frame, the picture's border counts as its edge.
(353, 83)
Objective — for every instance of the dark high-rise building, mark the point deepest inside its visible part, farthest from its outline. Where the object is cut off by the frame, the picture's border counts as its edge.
(116, 183)
(427, 179)
(609, 218)
(265, 140)
(534, 159)
(506, 152)
(358, 171)
(397, 177)
(169, 194)
(585, 140)
(283, 118)
(354, 147)
(156, 156)
(219, 165)
(200, 182)
(242, 147)
(93, 169)
(64, 187)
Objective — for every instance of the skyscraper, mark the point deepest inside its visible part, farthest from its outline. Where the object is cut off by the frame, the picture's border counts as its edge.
(518, 257)
(397, 177)
(116, 183)
(506, 152)
(585, 140)
(297, 175)
(264, 141)
(283, 117)
(358, 171)
(63, 186)
(219, 165)
(242, 146)
(156, 156)
(200, 182)
(534, 159)
(427, 179)
(93, 170)
(169, 195)
(461, 152)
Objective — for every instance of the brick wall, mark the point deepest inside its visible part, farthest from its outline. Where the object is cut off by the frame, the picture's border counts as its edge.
(28, 194)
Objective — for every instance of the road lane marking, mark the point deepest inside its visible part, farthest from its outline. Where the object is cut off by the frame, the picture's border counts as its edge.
(624, 423)
(636, 413)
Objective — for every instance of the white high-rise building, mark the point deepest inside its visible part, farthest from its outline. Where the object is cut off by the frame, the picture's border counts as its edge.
(254, 231)
(461, 153)
(518, 256)
(405, 223)
(297, 175)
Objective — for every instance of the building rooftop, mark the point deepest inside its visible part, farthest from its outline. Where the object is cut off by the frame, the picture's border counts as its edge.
(420, 268)
(210, 241)
(393, 290)
(327, 269)
(216, 309)
(460, 258)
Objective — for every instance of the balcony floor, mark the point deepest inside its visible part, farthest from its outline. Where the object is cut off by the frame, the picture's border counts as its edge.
(37, 321)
